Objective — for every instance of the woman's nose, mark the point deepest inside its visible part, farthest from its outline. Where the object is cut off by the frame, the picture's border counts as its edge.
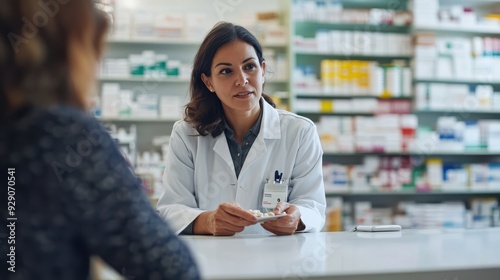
(241, 79)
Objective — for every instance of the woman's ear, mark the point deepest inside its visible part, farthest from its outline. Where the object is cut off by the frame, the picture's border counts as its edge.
(207, 81)
(263, 66)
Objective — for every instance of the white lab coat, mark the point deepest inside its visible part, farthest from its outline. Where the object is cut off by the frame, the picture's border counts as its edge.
(199, 173)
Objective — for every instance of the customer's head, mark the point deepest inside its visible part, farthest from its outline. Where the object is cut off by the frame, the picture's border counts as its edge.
(239, 66)
(48, 52)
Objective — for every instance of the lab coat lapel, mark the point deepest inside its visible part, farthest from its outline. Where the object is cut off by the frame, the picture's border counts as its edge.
(269, 129)
(222, 149)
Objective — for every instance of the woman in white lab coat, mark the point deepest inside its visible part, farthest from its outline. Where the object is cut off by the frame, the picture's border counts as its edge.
(232, 141)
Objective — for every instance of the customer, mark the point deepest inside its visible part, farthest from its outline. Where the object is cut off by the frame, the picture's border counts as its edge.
(232, 141)
(72, 192)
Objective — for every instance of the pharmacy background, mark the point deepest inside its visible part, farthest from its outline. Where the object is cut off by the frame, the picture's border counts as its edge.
(405, 97)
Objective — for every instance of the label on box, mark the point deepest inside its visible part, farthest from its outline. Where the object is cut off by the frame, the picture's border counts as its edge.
(274, 193)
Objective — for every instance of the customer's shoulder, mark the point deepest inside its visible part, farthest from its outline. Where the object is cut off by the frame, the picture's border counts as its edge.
(65, 113)
(63, 122)
(72, 118)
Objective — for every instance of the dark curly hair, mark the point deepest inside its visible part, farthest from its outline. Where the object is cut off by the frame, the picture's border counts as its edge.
(204, 110)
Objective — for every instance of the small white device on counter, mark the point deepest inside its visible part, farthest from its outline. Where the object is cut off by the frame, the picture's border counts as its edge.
(379, 228)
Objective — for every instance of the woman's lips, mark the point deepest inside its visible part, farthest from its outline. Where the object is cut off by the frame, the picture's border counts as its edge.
(243, 93)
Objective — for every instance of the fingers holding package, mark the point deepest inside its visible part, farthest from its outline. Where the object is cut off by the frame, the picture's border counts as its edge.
(286, 225)
(228, 219)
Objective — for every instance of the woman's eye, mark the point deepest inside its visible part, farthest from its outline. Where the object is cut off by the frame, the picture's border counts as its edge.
(251, 66)
(225, 71)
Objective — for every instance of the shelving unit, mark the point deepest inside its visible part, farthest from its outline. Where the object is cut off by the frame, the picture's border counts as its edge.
(319, 38)
(457, 110)
(458, 81)
(477, 152)
(144, 79)
(311, 24)
(345, 55)
(179, 46)
(413, 193)
(302, 95)
(302, 50)
(155, 41)
(140, 120)
(184, 49)
(316, 115)
(457, 29)
(387, 199)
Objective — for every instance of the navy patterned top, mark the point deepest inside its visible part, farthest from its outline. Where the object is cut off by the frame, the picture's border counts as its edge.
(75, 196)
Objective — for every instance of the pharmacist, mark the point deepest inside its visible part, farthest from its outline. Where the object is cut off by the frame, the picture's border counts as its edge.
(234, 151)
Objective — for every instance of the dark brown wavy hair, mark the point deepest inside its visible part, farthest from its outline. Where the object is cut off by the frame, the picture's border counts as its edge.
(48, 50)
(204, 110)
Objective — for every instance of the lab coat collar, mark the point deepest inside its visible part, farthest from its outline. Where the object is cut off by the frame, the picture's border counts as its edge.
(270, 129)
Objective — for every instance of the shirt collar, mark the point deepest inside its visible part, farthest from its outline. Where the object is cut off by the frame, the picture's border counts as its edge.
(254, 129)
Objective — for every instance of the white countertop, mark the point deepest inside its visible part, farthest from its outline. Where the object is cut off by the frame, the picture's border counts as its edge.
(409, 254)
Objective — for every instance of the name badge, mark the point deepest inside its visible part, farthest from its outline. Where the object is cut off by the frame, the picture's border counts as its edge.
(274, 192)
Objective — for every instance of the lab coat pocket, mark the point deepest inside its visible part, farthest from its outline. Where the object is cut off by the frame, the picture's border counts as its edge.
(274, 192)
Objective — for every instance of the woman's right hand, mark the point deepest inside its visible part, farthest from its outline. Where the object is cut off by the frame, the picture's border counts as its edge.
(228, 219)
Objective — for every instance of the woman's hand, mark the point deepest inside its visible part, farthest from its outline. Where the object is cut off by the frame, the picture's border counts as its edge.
(228, 219)
(288, 224)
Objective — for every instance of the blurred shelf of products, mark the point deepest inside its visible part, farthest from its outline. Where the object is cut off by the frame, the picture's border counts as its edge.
(405, 95)
(483, 212)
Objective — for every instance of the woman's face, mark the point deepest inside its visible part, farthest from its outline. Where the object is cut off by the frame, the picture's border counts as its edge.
(237, 78)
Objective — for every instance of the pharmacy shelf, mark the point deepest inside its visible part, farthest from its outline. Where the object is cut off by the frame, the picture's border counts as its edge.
(348, 96)
(274, 45)
(380, 4)
(323, 54)
(362, 27)
(457, 81)
(456, 111)
(479, 152)
(144, 79)
(137, 119)
(156, 41)
(410, 192)
(176, 41)
(457, 28)
(168, 80)
(319, 114)
(277, 81)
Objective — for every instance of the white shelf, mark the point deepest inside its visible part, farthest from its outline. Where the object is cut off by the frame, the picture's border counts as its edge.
(176, 41)
(274, 45)
(481, 152)
(167, 79)
(344, 25)
(457, 110)
(144, 79)
(276, 81)
(410, 192)
(155, 41)
(336, 113)
(456, 81)
(326, 95)
(299, 51)
(137, 119)
(457, 28)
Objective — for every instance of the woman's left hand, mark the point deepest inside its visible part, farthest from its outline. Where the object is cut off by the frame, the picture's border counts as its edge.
(286, 225)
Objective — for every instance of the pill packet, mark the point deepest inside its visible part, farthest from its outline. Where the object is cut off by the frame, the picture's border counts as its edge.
(262, 217)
